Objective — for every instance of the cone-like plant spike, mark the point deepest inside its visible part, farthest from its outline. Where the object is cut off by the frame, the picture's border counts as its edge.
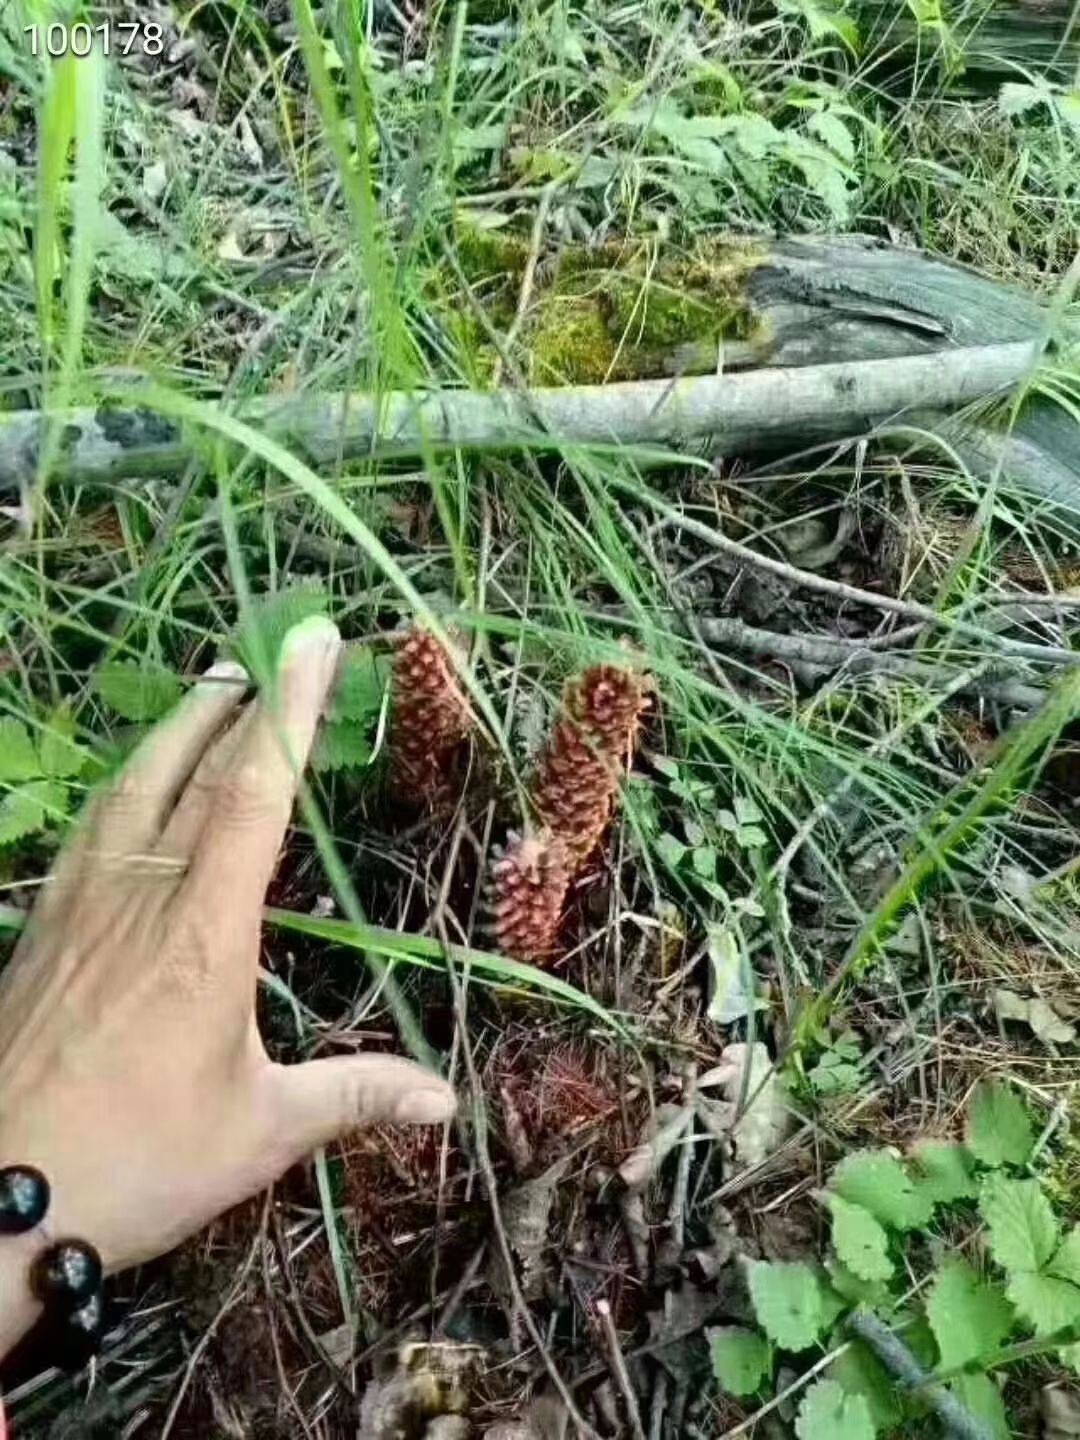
(608, 702)
(429, 719)
(529, 880)
(577, 777)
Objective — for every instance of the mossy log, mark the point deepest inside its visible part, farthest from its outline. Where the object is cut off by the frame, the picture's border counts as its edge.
(834, 336)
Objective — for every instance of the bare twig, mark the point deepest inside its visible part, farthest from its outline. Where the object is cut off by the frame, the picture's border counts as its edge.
(619, 1370)
(826, 652)
(841, 590)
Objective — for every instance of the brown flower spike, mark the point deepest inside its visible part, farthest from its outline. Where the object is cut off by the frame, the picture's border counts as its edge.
(577, 778)
(529, 881)
(429, 720)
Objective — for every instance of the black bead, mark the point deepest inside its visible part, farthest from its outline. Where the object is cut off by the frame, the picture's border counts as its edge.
(24, 1199)
(66, 1274)
(78, 1334)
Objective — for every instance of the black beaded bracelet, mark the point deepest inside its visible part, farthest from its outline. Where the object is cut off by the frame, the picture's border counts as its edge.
(67, 1276)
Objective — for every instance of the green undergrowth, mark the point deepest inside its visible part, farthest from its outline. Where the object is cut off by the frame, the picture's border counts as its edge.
(952, 1249)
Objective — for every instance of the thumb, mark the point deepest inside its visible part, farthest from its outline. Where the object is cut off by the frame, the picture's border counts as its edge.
(322, 1100)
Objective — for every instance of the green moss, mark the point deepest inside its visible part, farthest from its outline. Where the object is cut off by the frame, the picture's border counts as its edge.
(612, 313)
(571, 344)
(489, 254)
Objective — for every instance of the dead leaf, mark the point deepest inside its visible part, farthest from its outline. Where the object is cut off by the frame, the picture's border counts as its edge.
(1042, 1019)
(248, 143)
(155, 179)
(526, 1213)
(731, 997)
(666, 1129)
(546, 1419)
(448, 1427)
(229, 248)
(187, 123)
(747, 1076)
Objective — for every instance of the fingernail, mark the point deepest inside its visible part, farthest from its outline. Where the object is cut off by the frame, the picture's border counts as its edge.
(426, 1105)
(316, 637)
(229, 672)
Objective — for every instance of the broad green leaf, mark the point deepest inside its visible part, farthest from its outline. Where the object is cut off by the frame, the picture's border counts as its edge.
(29, 808)
(1065, 1263)
(943, 1171)
(827, 1413)
(1047, 1304)
(876, 1180)
(968, 1316)
(999, 1128)
(851, 1288)
(361, 684)
(741, 1359)
(269, 619)
(859, 1240)
(18, 760)
(341, 745)
(824, 19)
(787, 1302)
(1023, 1230)
(858, 1371)
(59, 754)
(137, 692)
(832, 132)
(981, 1398)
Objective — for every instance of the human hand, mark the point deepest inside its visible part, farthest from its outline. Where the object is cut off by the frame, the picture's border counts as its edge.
(131, 1069)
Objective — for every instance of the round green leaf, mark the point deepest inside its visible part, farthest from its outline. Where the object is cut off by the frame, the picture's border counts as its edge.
(787, 1302)
(741, 1359)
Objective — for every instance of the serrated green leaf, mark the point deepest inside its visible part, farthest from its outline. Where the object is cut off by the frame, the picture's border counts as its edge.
(59, 754)
(137, 692)
(361, 684)
(858, 1371)
(876, 1180)
(1046, 1303)
(969, 1316)
(18, 759)
(999, 1128)
(29, 808)
(981, 1398)
(20, 815)
(341, 745)
(859, 1240)
(1023, 1230)
(787, 1302)
(741, 1359)
(262, 631)
(826, 1411)
(851, 1288)
(1065, 1263)
(943, 1171)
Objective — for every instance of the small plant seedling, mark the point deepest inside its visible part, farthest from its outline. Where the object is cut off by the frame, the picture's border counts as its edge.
(882, 1205)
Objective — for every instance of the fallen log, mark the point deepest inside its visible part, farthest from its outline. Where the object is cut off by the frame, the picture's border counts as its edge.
(833, 336)
(734, 412)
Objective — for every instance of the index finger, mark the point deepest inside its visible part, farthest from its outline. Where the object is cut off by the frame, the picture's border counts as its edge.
(235, 858)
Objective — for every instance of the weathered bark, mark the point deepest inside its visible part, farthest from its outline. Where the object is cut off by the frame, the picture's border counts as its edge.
(734, 412)
(997, 36)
